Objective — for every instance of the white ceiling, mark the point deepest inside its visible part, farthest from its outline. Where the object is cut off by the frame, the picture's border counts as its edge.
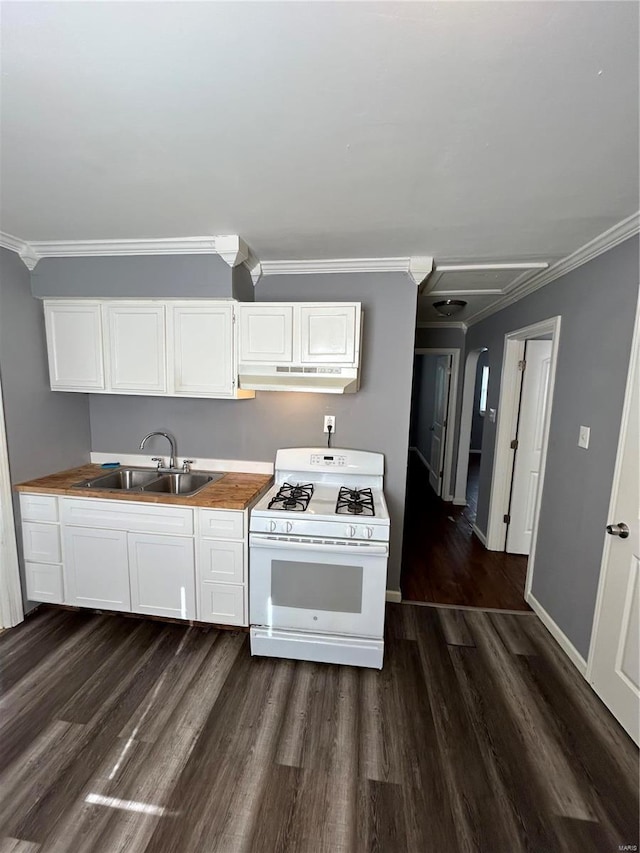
(466, 131)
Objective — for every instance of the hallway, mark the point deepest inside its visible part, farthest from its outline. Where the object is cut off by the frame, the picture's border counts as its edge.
(444, 562)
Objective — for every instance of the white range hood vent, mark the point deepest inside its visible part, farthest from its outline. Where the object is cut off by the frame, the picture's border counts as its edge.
(321, 379)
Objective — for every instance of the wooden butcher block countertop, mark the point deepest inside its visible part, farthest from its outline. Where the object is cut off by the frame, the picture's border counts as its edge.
(231, 491)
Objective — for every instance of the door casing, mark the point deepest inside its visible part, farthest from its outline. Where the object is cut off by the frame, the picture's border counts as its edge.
(506, 424)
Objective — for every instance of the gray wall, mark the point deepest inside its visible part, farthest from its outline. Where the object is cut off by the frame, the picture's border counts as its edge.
(597, 303)
(423, 403)
(160, 276)
(47, 431)
(477, 421)
(447, 338)
(376, 418)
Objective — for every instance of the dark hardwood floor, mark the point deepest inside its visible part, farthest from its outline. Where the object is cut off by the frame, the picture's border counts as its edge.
(444, 562)
(478, 735)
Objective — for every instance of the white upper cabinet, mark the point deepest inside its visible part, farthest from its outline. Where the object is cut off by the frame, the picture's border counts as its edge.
(137, 352)
(300, 333)
(327, 334)
(183, 348)
(74, 344)
(201, 349)
(266, 333)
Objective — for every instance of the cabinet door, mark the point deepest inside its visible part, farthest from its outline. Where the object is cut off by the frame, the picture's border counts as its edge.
(221, 561)
(328, 334)
(44, 582)
(41, 542)
(266, 333)
(222, 603)
(96, 570)
(162, 573)
(74, 345)
(136, 347)
(202, 349)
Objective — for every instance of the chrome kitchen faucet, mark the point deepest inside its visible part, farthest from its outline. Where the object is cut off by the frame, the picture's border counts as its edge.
(174, 450)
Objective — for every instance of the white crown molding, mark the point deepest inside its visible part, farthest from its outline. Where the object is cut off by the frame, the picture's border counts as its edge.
(230, 247)
(519, 265)
(445, 324)
(417, 268)
(526, 284)
(23, 249)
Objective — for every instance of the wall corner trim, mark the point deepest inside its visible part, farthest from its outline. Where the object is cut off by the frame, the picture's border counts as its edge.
(608, 239)
(230, 247)
(558, 634)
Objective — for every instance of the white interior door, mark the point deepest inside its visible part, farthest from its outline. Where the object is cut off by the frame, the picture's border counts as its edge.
(530, 437)
(439, 425)
(614, 663)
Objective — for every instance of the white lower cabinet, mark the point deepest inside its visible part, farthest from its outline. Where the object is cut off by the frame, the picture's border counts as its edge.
(44, 582)
(162, 575)
(222, 603)
(96, 568)
(160, 560)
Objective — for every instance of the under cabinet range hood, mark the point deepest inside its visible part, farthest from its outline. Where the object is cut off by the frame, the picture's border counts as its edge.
(321, 380)
(299, 346)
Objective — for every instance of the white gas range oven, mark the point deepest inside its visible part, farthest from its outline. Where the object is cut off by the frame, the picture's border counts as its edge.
(318, 548)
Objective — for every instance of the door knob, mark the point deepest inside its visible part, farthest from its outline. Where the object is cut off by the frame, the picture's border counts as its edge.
(620, 529)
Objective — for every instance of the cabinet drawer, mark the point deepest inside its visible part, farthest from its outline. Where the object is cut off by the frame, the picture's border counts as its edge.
(44, 582)
(123, 515)
(41, 542)
(221, 561)
(38, 507)
(222, 523)
(222, 603)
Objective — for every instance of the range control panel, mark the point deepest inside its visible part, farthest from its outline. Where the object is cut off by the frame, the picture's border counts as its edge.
(328, 459)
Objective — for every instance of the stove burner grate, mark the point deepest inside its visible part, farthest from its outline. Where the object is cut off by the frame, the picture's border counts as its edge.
(355, 502)
(293, 497)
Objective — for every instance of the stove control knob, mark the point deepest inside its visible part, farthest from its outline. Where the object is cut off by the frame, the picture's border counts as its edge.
(351, 531)
(272, 527)
(368, 532)
(288, 527)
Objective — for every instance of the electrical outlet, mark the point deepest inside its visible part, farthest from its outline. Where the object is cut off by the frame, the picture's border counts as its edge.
(330, 421)
(583, 437)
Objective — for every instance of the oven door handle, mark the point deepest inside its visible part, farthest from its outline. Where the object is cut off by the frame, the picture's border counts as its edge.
(262, 540)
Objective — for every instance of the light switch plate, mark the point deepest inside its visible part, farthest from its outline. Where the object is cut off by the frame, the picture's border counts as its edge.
(583, 437)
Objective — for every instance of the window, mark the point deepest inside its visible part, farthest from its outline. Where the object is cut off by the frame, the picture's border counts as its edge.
(483, 389)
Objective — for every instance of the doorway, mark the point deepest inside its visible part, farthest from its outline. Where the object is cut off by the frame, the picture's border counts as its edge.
(444, 562)
(433, 412)
(478, 416)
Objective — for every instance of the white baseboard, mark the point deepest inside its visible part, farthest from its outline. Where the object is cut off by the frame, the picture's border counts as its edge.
(558, 634)
(394, 595)
(480, 535)
(421, 458)
(475, 451)
(459, 502)
(238, 466)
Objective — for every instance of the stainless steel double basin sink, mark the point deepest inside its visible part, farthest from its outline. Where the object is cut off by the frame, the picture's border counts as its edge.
(143, 480)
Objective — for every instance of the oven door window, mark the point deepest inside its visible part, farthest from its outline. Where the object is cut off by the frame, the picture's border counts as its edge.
(316, 586)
